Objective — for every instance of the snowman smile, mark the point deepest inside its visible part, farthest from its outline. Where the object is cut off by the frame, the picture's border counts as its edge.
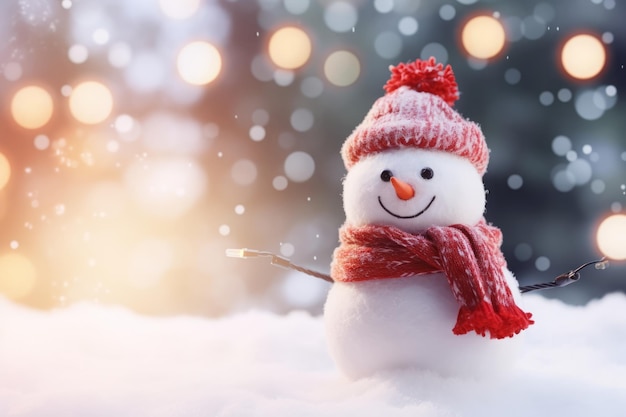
(405, 217)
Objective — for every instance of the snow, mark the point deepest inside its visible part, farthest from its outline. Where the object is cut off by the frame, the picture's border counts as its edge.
(96, 360)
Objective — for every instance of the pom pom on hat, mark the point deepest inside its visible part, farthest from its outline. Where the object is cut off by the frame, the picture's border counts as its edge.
(416, 112)
(425, 76)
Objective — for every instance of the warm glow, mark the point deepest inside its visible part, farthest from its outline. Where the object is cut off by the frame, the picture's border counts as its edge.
(611, 237)
(91, 102)
(5, 171)
(17, 275)
(32, 107)
(179, 9)
(583, 56)
(289, 47)
(342, 68)
(199, 63)
(165, 188)
(483, 37)
(149, 262)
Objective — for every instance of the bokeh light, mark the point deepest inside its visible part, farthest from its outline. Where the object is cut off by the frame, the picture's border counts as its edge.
(561, 145)
(447, 12)
(296, 6)
(91, 102)
(199, 63)
(515, 181)
(342, 68)
(5, 171)
(436, 50)
(244, 172)
(542, 263)
(32, 107)
(340, 16)
(302, 119)
(408, 26)
(280, 183)
(583, 56)
(124, 123)
(512, 76)
(257, 133)
(179, 9)
(299, 166)
(483, 37)
(165, 187)
(312, 87)
(383, 6)
(388, 45)
(611, 236)
(78, 53)
(17, 275)
(289, 47)
(101, 36)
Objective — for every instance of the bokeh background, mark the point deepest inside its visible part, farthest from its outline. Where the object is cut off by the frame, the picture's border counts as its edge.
(141, 139)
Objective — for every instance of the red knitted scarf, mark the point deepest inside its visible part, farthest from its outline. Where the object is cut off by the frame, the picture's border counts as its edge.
(469, 256)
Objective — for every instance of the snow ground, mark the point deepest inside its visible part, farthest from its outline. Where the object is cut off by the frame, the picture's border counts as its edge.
(106, 361)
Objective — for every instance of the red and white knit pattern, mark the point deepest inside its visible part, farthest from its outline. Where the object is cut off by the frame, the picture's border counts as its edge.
(416, 112)
(469, 256)
(407, 118)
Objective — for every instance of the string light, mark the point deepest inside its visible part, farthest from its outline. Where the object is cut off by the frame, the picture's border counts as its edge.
(31, 107)
(275, 260)
(583, 56)
(483, 37)
(289, 47)
(566, 278)
(611, 236)
(199, 63)
(91, 102)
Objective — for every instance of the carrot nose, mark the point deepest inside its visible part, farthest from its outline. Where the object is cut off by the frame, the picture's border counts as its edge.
(403, 190)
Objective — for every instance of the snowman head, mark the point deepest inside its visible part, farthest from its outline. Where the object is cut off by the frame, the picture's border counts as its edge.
(413, 189)
(414, 161)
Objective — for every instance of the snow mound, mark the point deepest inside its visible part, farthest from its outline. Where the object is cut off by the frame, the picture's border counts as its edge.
(104, 361)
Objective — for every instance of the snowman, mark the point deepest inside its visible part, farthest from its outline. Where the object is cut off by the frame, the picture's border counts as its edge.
(420, 281)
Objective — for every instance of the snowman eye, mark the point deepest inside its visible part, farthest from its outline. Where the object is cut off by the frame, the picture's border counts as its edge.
(386, 175)
(427, 173)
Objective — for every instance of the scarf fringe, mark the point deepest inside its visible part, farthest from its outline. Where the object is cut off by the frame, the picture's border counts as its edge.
(484, 319)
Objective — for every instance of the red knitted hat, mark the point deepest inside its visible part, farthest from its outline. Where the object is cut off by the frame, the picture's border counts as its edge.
(416, 111)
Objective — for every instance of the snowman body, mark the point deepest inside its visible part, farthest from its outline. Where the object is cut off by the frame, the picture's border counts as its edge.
(406, 322)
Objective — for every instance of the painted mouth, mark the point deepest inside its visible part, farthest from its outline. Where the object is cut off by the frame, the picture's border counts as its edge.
(405, 217)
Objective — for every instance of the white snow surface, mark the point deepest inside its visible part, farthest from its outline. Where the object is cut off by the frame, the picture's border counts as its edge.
(94, 360)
